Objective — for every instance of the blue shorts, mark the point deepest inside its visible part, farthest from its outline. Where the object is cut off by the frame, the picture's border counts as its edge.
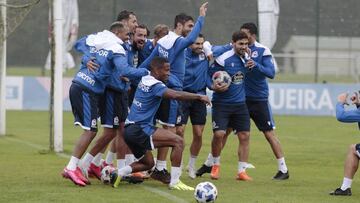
(113, 108)
(84, 105)
(195, 109)
(260, 113)
(167, 113)
(137, 140)
(234, 116)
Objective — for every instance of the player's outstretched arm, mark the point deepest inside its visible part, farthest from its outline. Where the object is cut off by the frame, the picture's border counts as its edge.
(181, 95)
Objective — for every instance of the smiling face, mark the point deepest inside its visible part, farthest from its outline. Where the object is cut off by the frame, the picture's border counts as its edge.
(140, 36)
(197, 46)
(240, 46)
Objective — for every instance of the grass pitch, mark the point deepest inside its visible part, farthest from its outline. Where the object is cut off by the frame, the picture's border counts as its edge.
(315, 149)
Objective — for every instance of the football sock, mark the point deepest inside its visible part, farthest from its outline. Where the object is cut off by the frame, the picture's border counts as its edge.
(124, 171)
(192, 161)
(346, 183)
(109, 157)
(161, 165)
(175, 175)
(86, 160)
(97, 159)
(210, 160)
(120, 163)
(242, 166)
(72, 163)
(217, 160)
(282, 165)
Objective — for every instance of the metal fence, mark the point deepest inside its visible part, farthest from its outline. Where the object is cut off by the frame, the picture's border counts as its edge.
(317, 40)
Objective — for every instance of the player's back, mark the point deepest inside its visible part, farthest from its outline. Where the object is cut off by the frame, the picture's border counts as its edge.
(146, 102)
(103, 55)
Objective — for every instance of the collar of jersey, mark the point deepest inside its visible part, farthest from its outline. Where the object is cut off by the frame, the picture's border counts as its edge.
(168, 40)
(149, 80)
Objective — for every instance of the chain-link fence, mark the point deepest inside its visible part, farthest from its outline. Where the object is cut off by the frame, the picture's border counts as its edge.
(317, 40)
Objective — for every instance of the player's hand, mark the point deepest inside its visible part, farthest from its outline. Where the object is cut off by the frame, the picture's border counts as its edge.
(205, 99)
(203, 9)
(355, 98)
(342, 98)
(220, 87)
(91, 65)
(250, 64)
(210, 57)
(124, 79)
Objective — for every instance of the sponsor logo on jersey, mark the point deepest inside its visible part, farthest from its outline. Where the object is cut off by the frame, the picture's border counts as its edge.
(254, 54)
(143, 87)
(202, 57)
(100, 52)
(86, 78)
(163, 53)
(137, 103)
(238, 78)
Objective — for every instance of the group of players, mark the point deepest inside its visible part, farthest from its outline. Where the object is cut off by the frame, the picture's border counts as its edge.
(165, 80)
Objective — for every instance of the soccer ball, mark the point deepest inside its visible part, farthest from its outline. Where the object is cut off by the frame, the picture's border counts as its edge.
(106, 174)
(221, 77)
(205, 192)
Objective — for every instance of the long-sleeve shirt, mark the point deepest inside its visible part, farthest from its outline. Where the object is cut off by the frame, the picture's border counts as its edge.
(172, 47)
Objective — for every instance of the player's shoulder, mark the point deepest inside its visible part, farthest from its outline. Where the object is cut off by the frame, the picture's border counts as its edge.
(223, 57)
(106, 40)
(262, 48)
(150, 81)
(168, 40)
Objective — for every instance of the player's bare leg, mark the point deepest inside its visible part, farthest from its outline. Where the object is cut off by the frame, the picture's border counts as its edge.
(195, 149)
(350, 168)
(243, 155)
(216, 146)
(160, 172)
(274, 142)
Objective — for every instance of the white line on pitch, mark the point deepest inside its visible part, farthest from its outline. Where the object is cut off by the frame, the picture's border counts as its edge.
(167, 195)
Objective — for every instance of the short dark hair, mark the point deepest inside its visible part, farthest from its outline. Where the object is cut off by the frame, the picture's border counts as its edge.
(158, 62)
(251, 27)
(239, 35)
(116, 26)
(201, 36)
(124, 15)
(182, 18)
(143, 26)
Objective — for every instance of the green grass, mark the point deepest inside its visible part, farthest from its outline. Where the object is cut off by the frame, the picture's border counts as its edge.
(315, 149)
(280, 77)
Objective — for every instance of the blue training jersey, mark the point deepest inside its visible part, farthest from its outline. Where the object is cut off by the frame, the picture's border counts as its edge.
(350, 116)
(145, 52)
(196, 71)
(106, 48)
(235, 67)
(119, 64)
(172, 47)
(256, 85)
(146, 102)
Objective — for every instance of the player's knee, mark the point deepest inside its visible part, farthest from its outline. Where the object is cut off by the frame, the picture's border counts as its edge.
(180, 132)
(219, 134)
(179, 142)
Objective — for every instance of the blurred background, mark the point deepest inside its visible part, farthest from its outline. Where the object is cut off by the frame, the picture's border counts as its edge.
(317, 40)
